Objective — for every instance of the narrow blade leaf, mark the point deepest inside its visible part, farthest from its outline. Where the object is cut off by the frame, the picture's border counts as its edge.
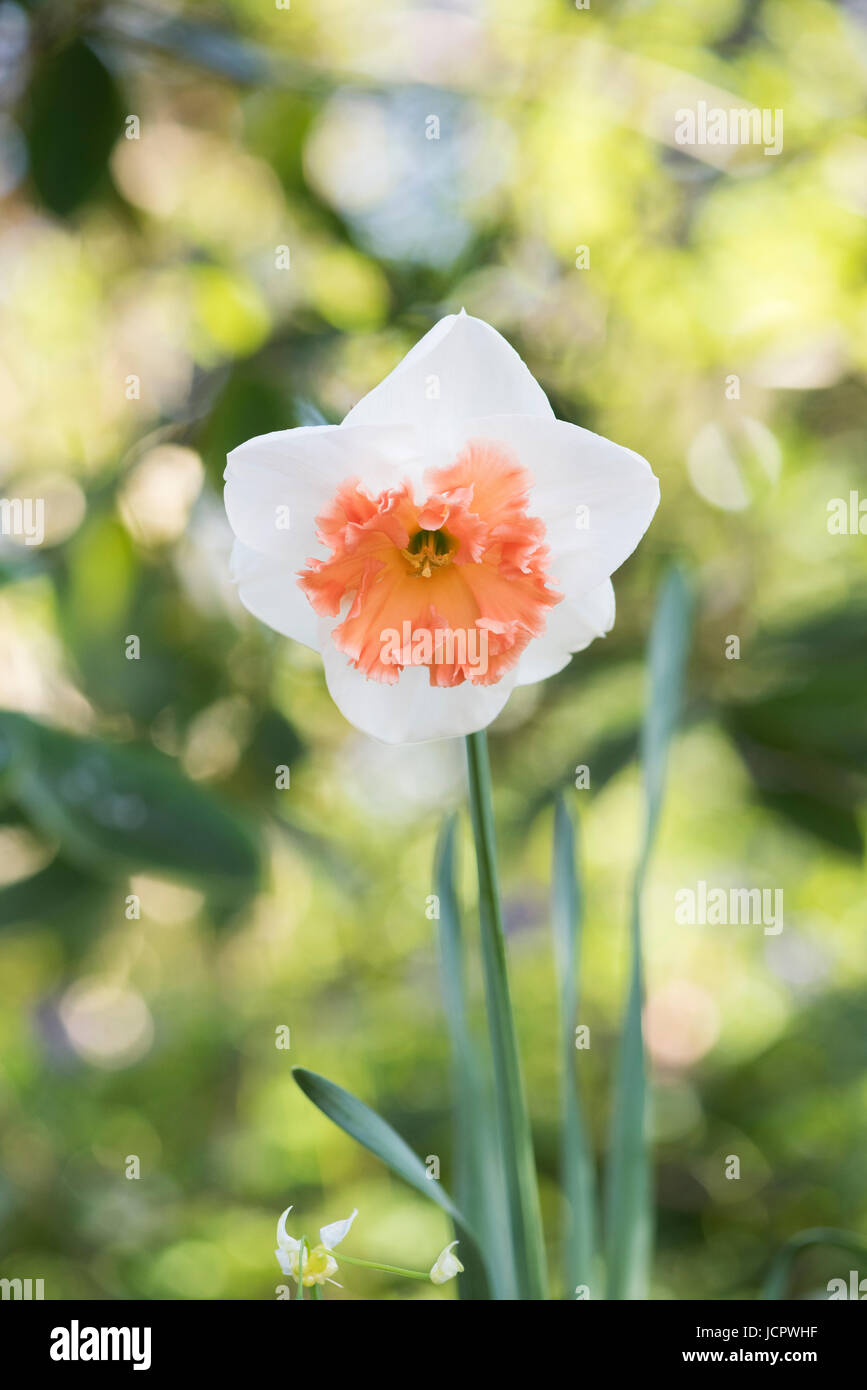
(579, 1179)
(629, 1212)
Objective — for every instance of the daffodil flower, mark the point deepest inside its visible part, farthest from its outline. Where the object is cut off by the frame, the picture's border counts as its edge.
(449, 541)
(317, 1264)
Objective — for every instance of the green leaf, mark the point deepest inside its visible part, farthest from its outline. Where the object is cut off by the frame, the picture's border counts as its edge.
(579, 1179)
(777, 1279)
(800, 726)
(377, 1136)
(479, 1182)
(667, 653)
(72, 116)
(56, 892)
(513, 1120)
(629, 1214)
(116, 808)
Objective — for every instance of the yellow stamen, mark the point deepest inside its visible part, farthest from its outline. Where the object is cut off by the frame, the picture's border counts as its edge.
(319, 1265)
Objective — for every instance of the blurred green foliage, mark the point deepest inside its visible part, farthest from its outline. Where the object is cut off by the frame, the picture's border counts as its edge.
(150, 323)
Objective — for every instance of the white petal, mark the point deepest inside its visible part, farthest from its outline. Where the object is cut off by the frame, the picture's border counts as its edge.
(332, 1235)
(461, 368)
(446, 1265)
(574, 468)
(302, 470)
(571, 627)
(268, 588)
(412, 711)
(285, 1263)
(286, 1242)
(295, 469)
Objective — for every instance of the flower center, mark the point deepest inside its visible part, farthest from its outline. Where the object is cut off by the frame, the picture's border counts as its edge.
(482, 556)
(319, 1265)
(428, 550)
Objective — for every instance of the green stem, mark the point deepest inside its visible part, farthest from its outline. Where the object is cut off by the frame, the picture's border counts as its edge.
(516, 1141)
(302, 1248)
(388, 1269)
